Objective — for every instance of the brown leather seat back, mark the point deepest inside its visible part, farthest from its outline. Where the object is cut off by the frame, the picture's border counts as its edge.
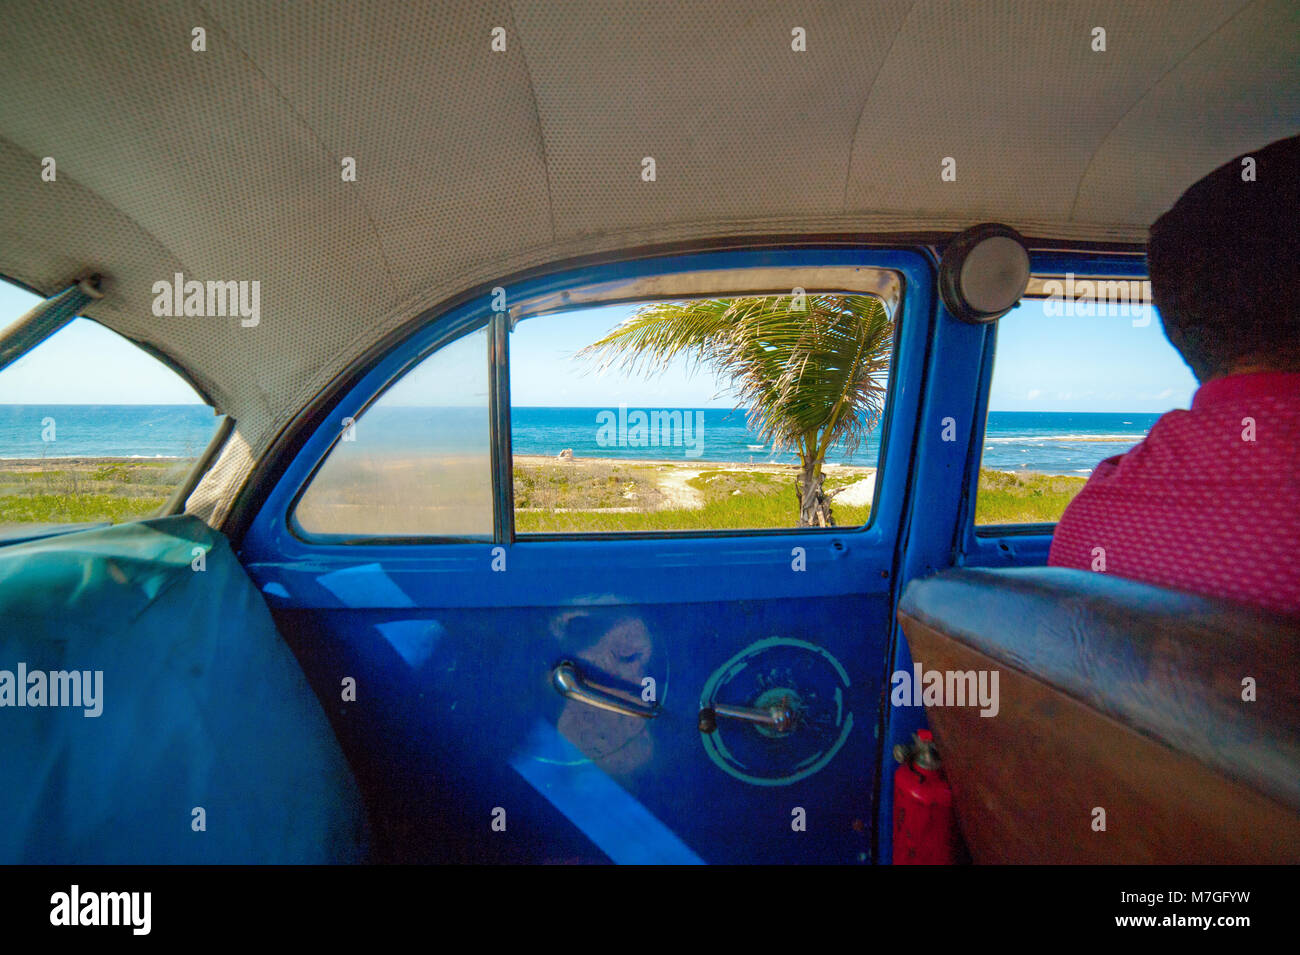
(1176, 716)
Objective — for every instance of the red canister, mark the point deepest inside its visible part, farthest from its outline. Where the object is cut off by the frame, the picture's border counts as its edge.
(925, 829)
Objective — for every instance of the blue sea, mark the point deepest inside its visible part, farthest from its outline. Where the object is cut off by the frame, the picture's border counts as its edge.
(1050, 442)
(95, 431)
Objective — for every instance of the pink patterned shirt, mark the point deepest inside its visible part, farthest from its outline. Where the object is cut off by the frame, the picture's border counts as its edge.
(1208, 502)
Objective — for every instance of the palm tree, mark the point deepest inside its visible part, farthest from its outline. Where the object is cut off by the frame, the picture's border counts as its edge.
(811, 369)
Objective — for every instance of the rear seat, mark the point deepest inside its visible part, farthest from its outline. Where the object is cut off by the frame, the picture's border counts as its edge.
(1116, 696)
(189, 734)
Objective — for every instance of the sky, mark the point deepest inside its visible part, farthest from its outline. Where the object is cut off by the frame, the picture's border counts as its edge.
(84, 364)
(1100, 363)
(1043, 363)
(545, 369)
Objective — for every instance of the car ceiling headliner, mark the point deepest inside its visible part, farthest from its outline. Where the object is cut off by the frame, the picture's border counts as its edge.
(473, 164)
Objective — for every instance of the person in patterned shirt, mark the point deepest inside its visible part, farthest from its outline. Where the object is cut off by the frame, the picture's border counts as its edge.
(1209, 501)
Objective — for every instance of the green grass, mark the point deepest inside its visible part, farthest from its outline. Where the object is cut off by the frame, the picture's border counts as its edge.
(74, 491)
(1023, 498)
(550, 498)
(586, 486)
(765, 500)
(768, 501)
(75, 509)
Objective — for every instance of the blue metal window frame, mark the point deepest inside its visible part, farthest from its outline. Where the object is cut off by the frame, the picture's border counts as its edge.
(676, 557)
(940, 531)
(1002, 545)
(453, 330)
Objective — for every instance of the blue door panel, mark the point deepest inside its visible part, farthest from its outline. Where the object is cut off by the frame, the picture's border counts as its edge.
(993, 549)
(455, 716)
(555, 572)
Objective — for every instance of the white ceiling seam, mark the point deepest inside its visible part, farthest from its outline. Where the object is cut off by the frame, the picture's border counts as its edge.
(336, 158)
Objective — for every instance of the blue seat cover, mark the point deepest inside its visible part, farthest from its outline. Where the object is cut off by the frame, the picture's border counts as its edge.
(202, 706)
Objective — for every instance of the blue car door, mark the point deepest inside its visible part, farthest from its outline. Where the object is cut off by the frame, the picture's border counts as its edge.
(644, 697)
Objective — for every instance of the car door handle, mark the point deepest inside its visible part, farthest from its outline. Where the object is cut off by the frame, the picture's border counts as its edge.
(568, 679)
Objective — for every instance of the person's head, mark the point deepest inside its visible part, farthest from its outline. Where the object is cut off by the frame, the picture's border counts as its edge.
(1225, 266)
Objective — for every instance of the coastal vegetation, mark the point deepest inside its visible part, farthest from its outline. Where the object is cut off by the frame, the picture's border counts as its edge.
(550, 496)
(1023, 497)
(78, 490)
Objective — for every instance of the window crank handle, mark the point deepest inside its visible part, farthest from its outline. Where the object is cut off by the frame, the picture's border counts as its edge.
(779, 717)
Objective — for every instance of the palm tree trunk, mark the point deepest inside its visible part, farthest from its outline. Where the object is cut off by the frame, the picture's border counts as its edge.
(814, 506)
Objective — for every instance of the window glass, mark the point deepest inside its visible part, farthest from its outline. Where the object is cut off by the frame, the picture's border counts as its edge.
(92, 428)
(1071, 387)
(699, 415)
(417, 462)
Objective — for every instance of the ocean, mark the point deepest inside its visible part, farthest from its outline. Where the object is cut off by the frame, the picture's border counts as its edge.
(1050, 442)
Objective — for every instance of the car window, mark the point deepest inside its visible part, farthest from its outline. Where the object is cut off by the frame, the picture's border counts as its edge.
(708, 414)
(1073, 383)
(93, 429)
(417, 462)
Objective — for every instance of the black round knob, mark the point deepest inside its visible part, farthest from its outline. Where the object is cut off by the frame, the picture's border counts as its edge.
(708, 720)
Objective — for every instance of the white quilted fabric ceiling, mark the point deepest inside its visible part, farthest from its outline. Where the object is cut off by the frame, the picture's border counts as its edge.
(471, 164)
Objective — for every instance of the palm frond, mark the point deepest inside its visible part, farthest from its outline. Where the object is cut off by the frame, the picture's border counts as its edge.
(809, 379)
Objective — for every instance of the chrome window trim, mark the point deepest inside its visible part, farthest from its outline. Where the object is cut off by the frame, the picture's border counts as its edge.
(885, 284)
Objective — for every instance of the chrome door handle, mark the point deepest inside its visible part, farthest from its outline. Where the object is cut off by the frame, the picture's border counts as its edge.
(780, 717)
(567, 678)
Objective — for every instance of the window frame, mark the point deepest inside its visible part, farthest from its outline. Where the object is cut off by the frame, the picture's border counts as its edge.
(454, 332)
(987, 545)
(762, 281)
(175, 504)
(177, 499)
(911, 268)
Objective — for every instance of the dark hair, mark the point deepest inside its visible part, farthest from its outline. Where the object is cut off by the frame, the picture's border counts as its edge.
(1225, 265)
